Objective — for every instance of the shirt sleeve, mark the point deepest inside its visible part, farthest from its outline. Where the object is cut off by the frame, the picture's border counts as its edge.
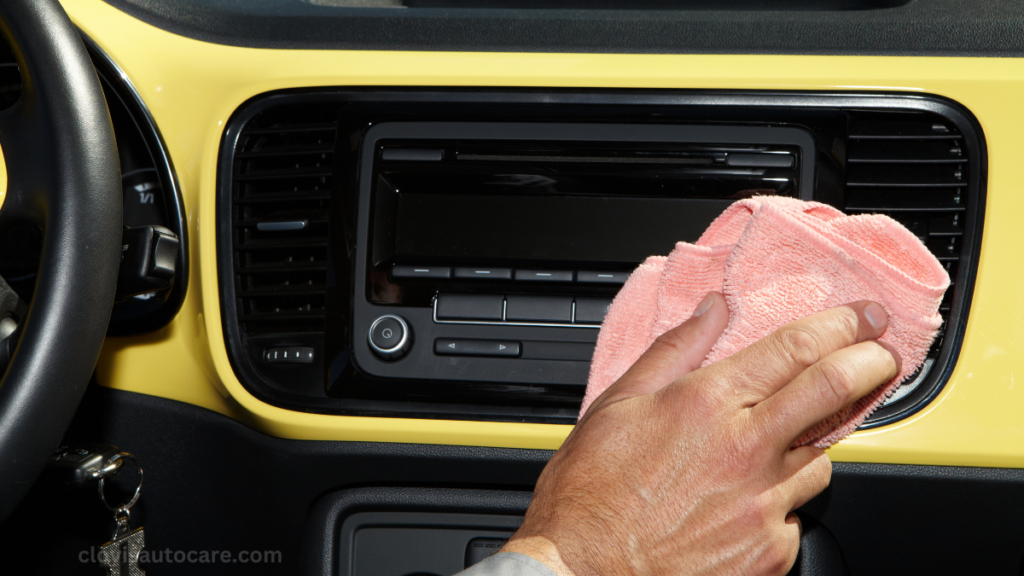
(508, 564)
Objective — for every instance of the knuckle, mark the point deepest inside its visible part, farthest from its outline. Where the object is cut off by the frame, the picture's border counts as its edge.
(671, 342)
(779, 556)
(836, 382)
(798, 345)
(848, 324)
(824, 466)
(760, 512)
(701, 397)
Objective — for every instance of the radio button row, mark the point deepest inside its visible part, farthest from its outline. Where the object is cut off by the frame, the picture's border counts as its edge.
(435, 272)
(544, 275)
(486, 273)
(590, 277)
(483, 273)
(591, 310)
(459, 347)
(470, 306)
(538, 308)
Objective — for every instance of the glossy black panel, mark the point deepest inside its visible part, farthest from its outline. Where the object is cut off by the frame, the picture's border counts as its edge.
(596, 231)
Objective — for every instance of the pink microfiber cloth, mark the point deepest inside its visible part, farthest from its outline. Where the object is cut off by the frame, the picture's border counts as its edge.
(778, 260)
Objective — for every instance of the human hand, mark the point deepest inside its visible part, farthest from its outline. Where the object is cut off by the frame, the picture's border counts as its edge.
(678, 469)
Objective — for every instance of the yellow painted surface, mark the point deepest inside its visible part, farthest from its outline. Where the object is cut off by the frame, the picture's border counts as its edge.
(3, 178)
(192, 88)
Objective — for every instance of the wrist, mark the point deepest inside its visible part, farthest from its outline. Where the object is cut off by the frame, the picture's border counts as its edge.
(541, 549)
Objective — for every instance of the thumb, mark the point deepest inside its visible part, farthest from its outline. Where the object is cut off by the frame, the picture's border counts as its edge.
(674, 354)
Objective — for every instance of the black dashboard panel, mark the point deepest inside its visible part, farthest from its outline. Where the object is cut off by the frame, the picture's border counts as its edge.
(257, 492)
(299, 252)
(993, 28)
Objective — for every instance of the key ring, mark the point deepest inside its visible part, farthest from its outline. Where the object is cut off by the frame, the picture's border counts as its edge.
(123, 509)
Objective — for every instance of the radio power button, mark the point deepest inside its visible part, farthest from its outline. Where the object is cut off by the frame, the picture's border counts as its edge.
(389, 337)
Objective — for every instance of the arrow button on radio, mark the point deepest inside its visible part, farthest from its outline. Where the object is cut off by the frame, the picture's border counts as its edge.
(463, 347)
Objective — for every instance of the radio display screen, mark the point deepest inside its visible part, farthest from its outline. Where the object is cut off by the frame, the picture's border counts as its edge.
(489, 227)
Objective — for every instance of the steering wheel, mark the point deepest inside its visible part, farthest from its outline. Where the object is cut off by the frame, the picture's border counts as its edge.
(63, 176)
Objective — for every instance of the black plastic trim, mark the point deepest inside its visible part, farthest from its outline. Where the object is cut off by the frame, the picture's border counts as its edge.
(112, 75)
(993, 28)
(309, 397)
(215, 483)
(323, 552)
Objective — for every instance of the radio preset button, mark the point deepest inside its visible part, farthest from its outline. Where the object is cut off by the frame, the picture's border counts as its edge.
(459, 347)
(590, 277)
(389, 337)
(411, 155)
(591, 310)
(520, 308)
(403, 271)
(544, 275)
(483, 273)
(470, 306)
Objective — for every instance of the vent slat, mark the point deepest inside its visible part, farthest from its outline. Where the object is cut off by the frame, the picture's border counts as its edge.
(292, 129)
(281, 244)
(278, 197)
(296, 267)
(284, 175)
(885, 129)
(285, 151)
(311, 220)
(884, 209)
(276, 291)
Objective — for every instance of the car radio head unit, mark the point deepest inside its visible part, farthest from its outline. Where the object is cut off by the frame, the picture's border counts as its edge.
(489, 252)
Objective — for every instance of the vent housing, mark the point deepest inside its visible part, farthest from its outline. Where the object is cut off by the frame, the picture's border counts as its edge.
(280, 195)
(915, 169)
(920, 160)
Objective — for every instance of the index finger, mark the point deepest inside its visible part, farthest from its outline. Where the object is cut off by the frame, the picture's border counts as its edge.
(769, 364)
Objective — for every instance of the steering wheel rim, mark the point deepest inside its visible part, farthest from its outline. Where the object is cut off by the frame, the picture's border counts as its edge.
(63, 175)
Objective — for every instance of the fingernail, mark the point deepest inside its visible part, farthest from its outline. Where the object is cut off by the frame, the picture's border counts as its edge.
(876, 316)
(704, 305)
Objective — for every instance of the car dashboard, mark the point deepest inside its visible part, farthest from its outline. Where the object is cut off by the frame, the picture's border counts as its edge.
(465, 178)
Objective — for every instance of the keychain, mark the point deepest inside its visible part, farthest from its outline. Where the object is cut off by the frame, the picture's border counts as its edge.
(120, 556)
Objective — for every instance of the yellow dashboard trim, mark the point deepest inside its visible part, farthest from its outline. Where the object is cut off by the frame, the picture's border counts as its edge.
(192, 88)
(3, 178)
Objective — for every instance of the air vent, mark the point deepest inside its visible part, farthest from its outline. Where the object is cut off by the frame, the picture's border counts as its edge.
(914, 168)
(281, 190)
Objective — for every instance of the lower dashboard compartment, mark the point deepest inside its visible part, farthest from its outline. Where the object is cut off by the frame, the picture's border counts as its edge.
(215, 484)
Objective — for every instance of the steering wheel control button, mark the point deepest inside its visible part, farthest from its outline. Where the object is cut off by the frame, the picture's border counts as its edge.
(544, 275)
(483, 273)
(433, 272)
(470, 306)
(538, 308)
(389, 337)
(591, 310)
(288, 355)
(459, 347)
(590, 277)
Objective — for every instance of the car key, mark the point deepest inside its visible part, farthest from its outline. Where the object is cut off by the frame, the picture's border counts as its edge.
(120, 556)
(81, 464)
